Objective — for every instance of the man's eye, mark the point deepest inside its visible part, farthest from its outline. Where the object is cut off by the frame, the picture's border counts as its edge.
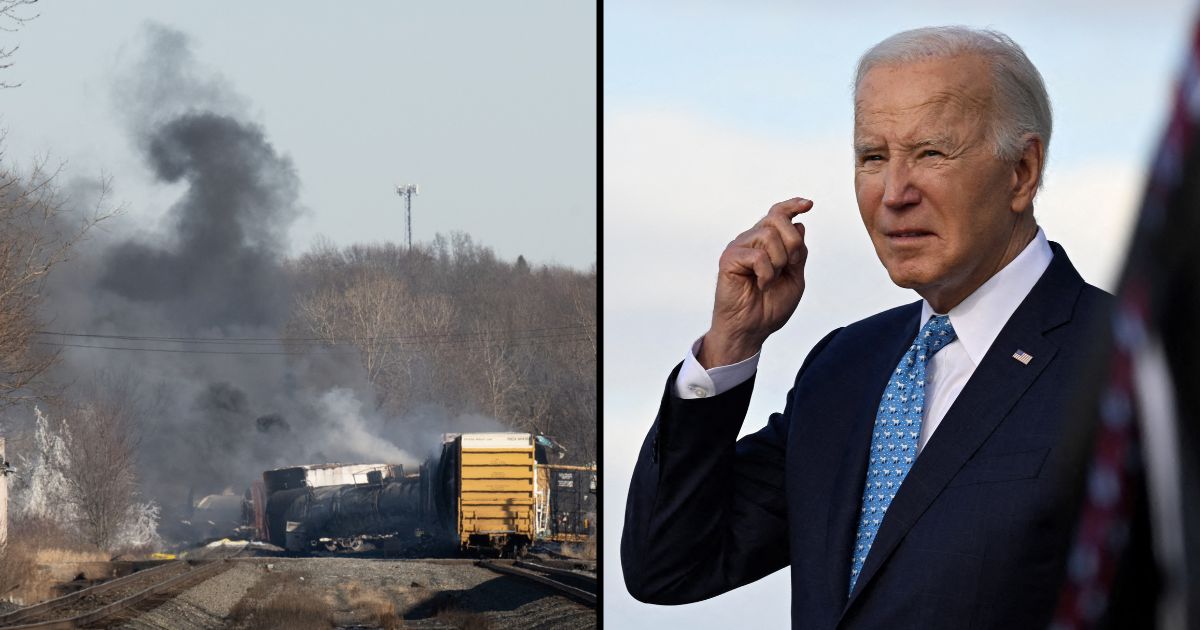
(872, 158)
(931, 153)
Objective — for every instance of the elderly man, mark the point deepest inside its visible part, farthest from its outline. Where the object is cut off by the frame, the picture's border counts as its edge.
(912, 480)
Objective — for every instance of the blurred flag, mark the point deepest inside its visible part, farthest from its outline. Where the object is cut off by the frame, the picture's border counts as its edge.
(1135, 546)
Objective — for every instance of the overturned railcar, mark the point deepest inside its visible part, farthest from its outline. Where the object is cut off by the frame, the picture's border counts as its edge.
(320, 475)
(305, 508)
(217, 516)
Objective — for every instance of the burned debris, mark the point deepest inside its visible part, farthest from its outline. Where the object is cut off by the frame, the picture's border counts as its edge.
(494, 492)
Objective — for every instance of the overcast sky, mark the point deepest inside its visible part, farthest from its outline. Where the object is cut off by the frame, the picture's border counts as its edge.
(713, 111)
(489, 107)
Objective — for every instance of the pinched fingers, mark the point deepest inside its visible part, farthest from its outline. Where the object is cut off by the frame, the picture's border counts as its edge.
(790, 236)
(750, 261)
(773, 244)
(765, 237)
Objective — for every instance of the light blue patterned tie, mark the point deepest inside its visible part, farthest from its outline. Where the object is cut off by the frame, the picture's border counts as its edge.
(897, 429)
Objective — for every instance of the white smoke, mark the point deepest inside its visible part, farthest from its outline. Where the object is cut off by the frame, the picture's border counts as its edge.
(344, 411)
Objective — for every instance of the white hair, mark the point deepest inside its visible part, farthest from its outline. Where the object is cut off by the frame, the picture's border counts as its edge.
(1022, 106)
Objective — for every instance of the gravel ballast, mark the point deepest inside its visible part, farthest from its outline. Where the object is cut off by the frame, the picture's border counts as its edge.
(204, 606)
(370, 593)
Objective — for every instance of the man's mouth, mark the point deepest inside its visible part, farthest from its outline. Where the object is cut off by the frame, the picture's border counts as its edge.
(908, 234)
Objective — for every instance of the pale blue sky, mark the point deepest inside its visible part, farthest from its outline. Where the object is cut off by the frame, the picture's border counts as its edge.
(715, 110)
(489, 107)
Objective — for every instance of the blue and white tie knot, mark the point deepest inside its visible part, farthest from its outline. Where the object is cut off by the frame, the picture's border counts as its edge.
(935, 334)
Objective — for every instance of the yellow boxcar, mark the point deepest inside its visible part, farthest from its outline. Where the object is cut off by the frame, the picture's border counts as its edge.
(495, 482)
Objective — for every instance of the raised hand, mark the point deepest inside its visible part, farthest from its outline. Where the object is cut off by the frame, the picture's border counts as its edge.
(759, 283)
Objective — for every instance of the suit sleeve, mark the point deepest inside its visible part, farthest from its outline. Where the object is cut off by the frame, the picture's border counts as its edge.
(707, 512)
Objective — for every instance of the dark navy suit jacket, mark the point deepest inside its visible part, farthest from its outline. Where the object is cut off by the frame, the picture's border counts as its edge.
(977, 536)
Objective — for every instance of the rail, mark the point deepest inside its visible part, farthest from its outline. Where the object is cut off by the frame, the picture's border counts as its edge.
(547, 576)
(90, 605)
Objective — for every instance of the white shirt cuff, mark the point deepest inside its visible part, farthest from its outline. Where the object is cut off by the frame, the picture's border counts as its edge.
(694, 381)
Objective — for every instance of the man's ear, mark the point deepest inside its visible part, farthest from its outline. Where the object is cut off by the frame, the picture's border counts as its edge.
(1027, 173)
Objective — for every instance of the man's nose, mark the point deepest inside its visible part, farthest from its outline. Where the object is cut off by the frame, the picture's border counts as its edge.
(899, 190)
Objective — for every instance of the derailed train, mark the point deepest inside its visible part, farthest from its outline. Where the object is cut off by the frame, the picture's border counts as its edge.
(484, 490)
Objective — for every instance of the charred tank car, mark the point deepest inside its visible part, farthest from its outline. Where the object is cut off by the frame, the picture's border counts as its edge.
(336, 506)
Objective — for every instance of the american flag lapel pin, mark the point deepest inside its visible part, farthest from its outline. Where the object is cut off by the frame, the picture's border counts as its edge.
(1023, 357)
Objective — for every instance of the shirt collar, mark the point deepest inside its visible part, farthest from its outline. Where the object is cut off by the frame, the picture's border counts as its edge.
(978, 319)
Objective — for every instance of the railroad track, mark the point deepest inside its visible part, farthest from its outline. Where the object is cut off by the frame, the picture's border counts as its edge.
(564, 563)
(576, 585)
(89, 606)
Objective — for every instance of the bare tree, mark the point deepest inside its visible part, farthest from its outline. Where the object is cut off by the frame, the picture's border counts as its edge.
(12, 17)
(377, 314)
(584, 360)
(578, 359)
(499, 373)
(80, 473)
(102, 473)
(36, 234)
(34, 237)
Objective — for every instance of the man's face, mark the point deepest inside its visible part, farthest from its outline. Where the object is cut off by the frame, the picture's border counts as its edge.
(936, 201)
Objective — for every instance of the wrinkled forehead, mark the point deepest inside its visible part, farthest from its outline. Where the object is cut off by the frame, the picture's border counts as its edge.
(955, 89)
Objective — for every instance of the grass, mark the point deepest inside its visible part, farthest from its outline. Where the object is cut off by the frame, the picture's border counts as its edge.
(283, 600)
(16, 570)
(54, 555)
(33, 560)
(376, 608)
(371, 607)
(463, 619)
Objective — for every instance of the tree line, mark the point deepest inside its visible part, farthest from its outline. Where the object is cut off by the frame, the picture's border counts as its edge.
(449, 323)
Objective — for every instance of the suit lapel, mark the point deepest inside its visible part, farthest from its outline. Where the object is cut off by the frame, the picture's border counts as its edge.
(992, 391)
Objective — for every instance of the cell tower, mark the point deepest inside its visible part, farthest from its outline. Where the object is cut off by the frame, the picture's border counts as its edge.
(407, 191)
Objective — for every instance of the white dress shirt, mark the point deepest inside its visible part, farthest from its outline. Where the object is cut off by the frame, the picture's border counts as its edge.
(977, 321)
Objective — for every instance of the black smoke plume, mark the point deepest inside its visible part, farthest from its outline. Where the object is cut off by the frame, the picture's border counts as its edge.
(222, 262)
(215, 267)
